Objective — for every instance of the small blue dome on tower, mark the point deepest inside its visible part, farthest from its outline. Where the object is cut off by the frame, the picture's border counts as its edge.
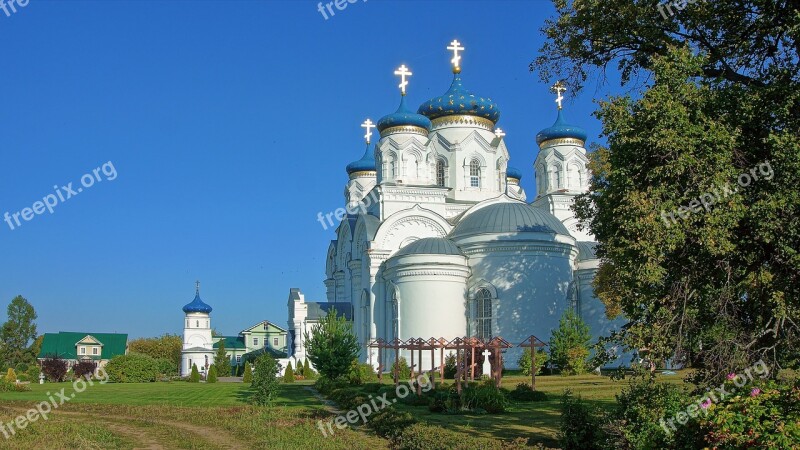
(365, 164)
(561, 130)
(404, 117)
(197, 305)
(513, 173)
(460, 101)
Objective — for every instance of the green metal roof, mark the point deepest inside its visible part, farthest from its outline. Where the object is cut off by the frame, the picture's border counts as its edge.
(251, 356)
(63, 344)
(231, 343)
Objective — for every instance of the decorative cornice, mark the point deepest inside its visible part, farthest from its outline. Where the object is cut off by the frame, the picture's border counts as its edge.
(465, 120)
(404, 129)
(366, 173)
(560, 249)
(562, 141)
(422, 272)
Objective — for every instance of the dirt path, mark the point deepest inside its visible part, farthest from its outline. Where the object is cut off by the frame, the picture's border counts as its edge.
(125, 426)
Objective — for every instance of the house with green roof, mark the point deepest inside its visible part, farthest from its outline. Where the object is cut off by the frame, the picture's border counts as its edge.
(254, 340)
(75, 347)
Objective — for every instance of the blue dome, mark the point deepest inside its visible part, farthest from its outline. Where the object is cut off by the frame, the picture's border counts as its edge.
(430, 246)
(197, 306)
(513, 173)
(404, 117)
(365, 164)
(512, 217)
(459, 101)
(560, 130)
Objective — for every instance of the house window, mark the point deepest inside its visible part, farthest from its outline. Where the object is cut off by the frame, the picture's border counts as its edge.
(440, 173)
(275, 342)
(255, 341)
(238, 360)
(483, 314)
(395, 314)
(265, 325)
(475, 173)
(83, 350)
(94, 350)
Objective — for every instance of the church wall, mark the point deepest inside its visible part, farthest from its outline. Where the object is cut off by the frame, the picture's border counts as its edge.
(532, 284)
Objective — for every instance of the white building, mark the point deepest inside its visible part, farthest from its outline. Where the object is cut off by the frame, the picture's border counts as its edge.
(438, 240)
(198, 346)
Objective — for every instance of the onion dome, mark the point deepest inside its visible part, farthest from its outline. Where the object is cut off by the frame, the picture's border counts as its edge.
(561, 130)
(365, 164)
(460, 101)
(513, 173)
(430, 246)
(197, 305)
(512, 217)
(404, 117)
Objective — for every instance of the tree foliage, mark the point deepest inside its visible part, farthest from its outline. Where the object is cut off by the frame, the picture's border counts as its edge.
(132, 368)
(247, 377)
(84, 369)
(265, 380)
(18, 332)
(55, 369)
(525, 361)
(288, 374)
(212, 374)
(569, 344)
(715, 94)
(222, 360)
(308, 372)
(11, 375)
(167, 346)
(332, 346)
(194, 377)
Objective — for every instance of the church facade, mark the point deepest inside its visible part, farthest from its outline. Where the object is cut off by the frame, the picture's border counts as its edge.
(439, 239)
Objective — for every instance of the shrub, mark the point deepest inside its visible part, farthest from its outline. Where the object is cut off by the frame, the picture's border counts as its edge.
(84, 369)
(767, 416)
(484, 396)
(33, 373)
(222, 360)
(194, 377)
(247, 376)
(55, 369)
(11, 376)
(5, 386)
(389, 423)
(212, 374)
(404, 372)
(308, 372)
(325, 385)
(166, 367)
(288, 374)
(361, 373)
(424, 437)
(132, 368)
(332, 346)
(20, 368)
(578, 429)
(450, 366)
(265, 381)
(525, 393)
(524, 361)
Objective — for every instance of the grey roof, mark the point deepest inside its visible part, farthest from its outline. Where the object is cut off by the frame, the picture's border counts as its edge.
(586, 250)
(430, 246)
(318, 310)
(508, 218)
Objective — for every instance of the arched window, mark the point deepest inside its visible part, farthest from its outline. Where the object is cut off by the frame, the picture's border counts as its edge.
(575, 177)
(411, 167)
(206, 324)
(392, 168)
(197, 324)
(475, 173)
(440, 173)
(483, 314)
(187, 324)
(555, 177)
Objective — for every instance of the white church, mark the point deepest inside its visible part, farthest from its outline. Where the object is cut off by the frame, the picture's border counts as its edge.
(439, 240)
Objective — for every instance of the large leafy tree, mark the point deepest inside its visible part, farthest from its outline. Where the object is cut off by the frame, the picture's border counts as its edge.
(18, 332)
(332, 346)
(714, 93)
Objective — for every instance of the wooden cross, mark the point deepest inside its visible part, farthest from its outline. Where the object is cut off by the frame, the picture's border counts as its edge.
(533, 343)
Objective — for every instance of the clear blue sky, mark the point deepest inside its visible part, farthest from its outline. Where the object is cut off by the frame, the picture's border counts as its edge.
(229, 125)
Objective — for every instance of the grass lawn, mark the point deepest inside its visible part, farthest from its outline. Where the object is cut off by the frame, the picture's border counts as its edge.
(211, 416)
